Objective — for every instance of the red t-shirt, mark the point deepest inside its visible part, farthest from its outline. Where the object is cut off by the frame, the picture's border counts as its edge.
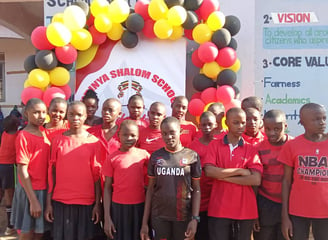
(127, 171)
(205, 182)
(143, 122)
(150, 139)
(7, 148)
(52, 132)
(260, 137)
(273, 171)
(230, 200)
(309, 190)
(188, 133)
(33, 151)
(77, 169)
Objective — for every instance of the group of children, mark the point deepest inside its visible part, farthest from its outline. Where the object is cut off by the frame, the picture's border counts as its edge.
(160, 178)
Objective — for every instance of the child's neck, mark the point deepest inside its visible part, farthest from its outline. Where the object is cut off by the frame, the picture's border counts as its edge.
(178, 148)
(33, 129)
(77, 132)
(233, 139)
(53, 125)
(251, 134)
(315, 137)
(206, 139)
(125, 148)
(109, 125)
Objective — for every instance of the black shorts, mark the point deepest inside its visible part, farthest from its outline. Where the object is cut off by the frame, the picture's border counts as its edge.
(301, 228)
(202, 227)
(7, 176)
(270, 220)
(168, 230)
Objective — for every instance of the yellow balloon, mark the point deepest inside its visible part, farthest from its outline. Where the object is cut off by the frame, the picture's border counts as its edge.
(157, 9)
(223, 122)
(58, 34)
(27, 84)
(118, 11)
(99, 7)
(38, 78)
(84, 58)
(202, 33)
(197, 118)
(81, 39)
(216, 20)
(58, 17)
(177, 33)
(116, 32)
(177, 15)
(211, 69)
(47, 118)
(236, 66)
(59, 76)
(74, 17)
(163, 29)
(102, 23)
(207, 106)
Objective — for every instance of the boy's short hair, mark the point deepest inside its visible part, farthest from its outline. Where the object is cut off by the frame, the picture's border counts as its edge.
(57, 100)
(234, 110)
(276, 114)
(128, 122)
(207, 114)
(170, 120)
(178, 97)
(217, 105)
(112, 100)
(311, 106)
(33, 101)
(10, 123)
(135, 97)
(253, 102)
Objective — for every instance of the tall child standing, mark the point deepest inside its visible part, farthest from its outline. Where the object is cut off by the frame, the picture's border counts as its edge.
(32, 154)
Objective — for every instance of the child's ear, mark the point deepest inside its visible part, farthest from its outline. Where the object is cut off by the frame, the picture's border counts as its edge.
(261, 124)
(119, 114)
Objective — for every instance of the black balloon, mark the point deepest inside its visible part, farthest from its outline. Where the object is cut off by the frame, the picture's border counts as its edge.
(84, 6)
(221, 38)
(29, 63)
(232, 23)
(67, 66)
(192, 4)
(237, 91)
(201, 82)
(129, 39)
(226, 77)
(191, 20)
(46, 60)
(134, 22)
(171, 3)
(233, 44)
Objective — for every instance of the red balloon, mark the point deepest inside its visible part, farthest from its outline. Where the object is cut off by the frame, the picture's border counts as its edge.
(188, 34)
(207, 52)
(232, 104)
(196, 107)
(66, 54)
(148, 29)
(52, 93)
(97, 37)
(195, 59)
(39, 38)
(90, 20)
(196, 95)
(207, 7)
(141, 7)
(225, 94)
(227, 57)
(31, 92)
(209, 95)
(67, 90)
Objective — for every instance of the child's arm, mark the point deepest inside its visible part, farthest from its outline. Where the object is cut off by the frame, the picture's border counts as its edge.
(109, 227)
(150, 190)
(35, 207)
(96, 208)
(49, 213)
(221, 173)
(195, 198)
(254, 179)
(286, 224)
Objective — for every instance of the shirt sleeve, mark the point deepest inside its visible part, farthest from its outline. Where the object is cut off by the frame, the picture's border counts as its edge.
(196, 169)
(151, 166)
(52, 163)
(254, 162)
(96, 167)
(107, 169)
(23, 155)
(285, 155)
(211, 155)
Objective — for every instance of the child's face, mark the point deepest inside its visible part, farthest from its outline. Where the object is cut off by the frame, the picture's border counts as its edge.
(218, 114)
(136, 108)
(76, 115)
(274, 130)
(92, 106)
(57, 112)
(314, 120)
(253, 122)
(171, 135)
(110, 111)
(128, 135)
(207, 124)
(156, 114)
(179, 108)
(36, 114)
(236, 123)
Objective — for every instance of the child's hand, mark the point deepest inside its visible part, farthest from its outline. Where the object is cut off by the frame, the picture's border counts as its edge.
(109, 228)
(287, 228)
(49, 213)
(35, 209)
(245, 172)
(144, 232)
(256, 226)
(96, 214)
(191, 230)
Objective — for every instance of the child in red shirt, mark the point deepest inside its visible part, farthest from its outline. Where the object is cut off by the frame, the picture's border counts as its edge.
(236, 167)
(73, 201)
(124, 194)
(91, 100)
(304, 186)
(32, 153)
(268, 226)
(150, 138)
(254, 123)
(173, 193)
(218, 110)
(252, 102)
(188, 129)
(7, 161)
(207, 125)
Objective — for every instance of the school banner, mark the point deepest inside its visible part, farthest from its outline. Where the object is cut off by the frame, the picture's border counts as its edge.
(154, 68)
